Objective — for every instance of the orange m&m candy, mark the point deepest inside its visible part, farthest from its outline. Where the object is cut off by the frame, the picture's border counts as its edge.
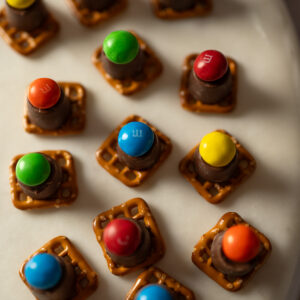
(240, 243)
(43, 93)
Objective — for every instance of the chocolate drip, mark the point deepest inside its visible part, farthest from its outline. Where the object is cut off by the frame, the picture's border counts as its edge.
(226, 266)
(178, 5)
(51, 118)
(97, 4)
(210, 92)
(48, 188)
(143, 162)
(27, 19)
(214, 174)
(140, 254)
(124, 71)
(65, 290)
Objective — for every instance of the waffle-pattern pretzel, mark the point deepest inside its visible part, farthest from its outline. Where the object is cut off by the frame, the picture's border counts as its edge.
(86, 277)
(136, 209)
(201, 256)
(66, 194)
(196, 105)
(152, 69)
(27, 42)
(216, 192)
(156, 276)
(89, 17)
(75, 123)
(202, 8)
(107, 155)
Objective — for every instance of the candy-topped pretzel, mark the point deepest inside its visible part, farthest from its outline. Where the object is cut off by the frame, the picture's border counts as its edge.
(201, 8)
(202, 253)
(138, 211)
(86, 279)
(213, 191)
(91, 17)
(155, 276)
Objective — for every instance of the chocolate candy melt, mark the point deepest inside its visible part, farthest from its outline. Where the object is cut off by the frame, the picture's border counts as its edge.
(141, 252)
(143, 162)
(53, 117)
(97, 4)
(29, 18)
(214, 174)
(223, 264)
(178, 5)
(49, 187)
(64, 290)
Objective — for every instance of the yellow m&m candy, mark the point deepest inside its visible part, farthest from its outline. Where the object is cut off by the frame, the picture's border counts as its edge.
(217, 149)
(20, 4)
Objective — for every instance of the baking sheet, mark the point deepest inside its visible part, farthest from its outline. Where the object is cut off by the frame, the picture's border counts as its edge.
(259, 35)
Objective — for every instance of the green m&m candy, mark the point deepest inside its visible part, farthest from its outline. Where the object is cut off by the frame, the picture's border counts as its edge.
(121, 47)
(33, 169)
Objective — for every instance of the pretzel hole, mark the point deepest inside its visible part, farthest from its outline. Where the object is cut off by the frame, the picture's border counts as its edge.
(75, 107)
(83, 282)
(106, 156)
(130, 175)
(73, 93)
(24, 44)
(67, 258)
(65, 176)
(119, 165)
(209, 243)
(204, 255)
(190, 167)
(231, 223)
(191, 63)
(16, 35)
(243, 164)
(61, 161)
(66, 192)
(58, 249)
(119, 216)
(77, 270)
(134, 210)
(22, 197)
(152, 279)
(213, 191)
(114, 144)
(104, 223)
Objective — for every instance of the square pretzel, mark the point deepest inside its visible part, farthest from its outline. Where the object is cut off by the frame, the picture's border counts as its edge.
(136, 209)
(152, 69)
(86, 278)
(196, 105)
(201, 256)
(107, 155)
(202, 8)
(76, 121)
(27, 42)
(66, 194)
(156, 276)
(89, 17)
(215, 192)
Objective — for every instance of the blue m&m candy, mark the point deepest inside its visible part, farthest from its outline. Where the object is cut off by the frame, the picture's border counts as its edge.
(43, 271)
(136, 139)
(154, 292)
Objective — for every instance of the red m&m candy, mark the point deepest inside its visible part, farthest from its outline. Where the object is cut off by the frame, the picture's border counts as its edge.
(43, 93)
(240, 243)
(122, 237)
(210, 65)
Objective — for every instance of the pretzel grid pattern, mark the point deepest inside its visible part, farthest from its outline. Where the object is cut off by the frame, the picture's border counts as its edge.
(195, 105)
(75, 123)
(216, 192)
(27, 42)
(156, 276)
(201, 255)
(107, 155)
(202, 8)
(152, 69)
(89, 17)
(86, 277)
(66, 194)
(136, 209)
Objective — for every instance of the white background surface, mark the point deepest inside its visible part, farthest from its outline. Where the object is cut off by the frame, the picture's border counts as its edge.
(258, 34)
